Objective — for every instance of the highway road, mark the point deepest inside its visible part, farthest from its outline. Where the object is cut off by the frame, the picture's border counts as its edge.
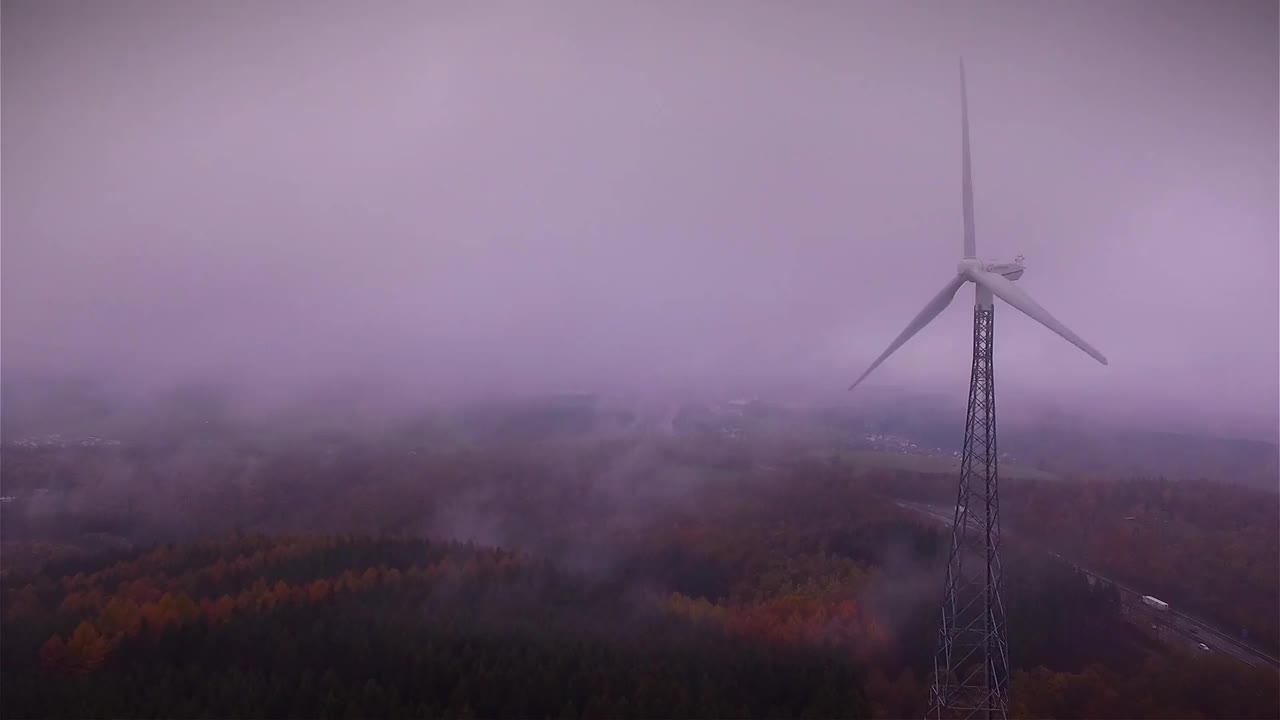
(1189, 629)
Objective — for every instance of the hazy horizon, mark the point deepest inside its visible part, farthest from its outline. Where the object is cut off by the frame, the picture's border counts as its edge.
(450, 200)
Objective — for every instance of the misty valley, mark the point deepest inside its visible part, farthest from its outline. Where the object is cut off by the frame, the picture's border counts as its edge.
(591, 359)
(576, 556)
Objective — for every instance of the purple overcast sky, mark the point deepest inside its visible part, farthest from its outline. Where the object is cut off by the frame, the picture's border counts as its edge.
(545, 195)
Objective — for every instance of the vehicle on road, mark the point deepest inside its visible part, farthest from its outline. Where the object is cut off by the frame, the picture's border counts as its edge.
(1154, 602)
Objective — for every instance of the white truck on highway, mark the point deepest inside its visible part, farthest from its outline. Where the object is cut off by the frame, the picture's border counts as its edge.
(1156, 603)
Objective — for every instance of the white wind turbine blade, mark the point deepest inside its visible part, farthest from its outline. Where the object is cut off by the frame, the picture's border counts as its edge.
(970, 244)
(930, 311)
(1000, 286)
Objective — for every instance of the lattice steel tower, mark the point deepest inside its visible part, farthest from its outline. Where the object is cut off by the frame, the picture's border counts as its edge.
(971, 665)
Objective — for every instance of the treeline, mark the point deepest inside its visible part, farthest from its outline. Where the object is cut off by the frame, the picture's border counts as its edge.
(370, 627)
(781, 554)
(1175, 686)
(641, 578)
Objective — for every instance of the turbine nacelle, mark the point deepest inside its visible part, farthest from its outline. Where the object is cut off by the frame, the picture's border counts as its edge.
(1011, 271)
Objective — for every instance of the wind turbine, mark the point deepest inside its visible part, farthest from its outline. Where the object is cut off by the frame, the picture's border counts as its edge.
(971, 663)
